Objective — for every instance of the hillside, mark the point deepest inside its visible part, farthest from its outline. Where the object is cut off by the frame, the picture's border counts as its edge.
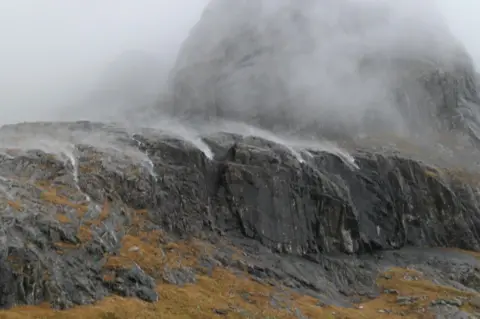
(226, 226)
(314, 161)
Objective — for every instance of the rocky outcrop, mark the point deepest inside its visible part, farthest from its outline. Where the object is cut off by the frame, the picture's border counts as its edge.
(268, 226)
(80, 199)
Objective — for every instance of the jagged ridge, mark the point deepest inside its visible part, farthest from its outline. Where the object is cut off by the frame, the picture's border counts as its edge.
(67, 218)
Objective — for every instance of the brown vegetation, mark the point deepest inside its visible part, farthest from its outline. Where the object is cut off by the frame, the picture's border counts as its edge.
(51, 195)
(223, 293)
(15, 204)
(228, 294)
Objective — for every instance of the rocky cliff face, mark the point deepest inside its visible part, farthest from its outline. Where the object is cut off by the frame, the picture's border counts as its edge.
(234, 220)
(91, 210)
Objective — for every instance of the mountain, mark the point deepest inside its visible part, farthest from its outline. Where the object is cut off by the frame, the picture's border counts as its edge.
(91, 211)
(328, 68)
(317, 161)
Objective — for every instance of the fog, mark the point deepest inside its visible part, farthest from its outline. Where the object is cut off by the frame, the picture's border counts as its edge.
(68, 59)
(462, 17)
(53, 53)
(338, 69)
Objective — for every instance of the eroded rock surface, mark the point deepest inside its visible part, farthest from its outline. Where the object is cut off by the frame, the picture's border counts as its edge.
(81, 200)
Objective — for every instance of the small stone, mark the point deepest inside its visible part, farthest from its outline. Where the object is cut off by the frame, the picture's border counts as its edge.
(410, 278)
(438, 302)
(421, 310)
(222, 312)
(406, 300)
(373, 295)
(391, 291)
(475, 302)
(381, 311)
(134, 249)
(455, 302)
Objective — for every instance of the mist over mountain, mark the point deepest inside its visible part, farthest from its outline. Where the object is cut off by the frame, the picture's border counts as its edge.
(130, 84)
(329, 68)
(301, 159)
(54, 55)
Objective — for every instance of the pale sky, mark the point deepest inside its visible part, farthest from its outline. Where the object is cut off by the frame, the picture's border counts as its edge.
(51, 50)
(462, 16)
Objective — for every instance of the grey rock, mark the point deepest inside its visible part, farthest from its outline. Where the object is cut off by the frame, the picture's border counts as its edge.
(391, 291)
(455, 302)
(451, 302)
(406, 300)
(449, 312)
(179, 276)
(283, 214)
(475, 302)
(222, 312)
(207, 264)
(135, 282)
(146, 294)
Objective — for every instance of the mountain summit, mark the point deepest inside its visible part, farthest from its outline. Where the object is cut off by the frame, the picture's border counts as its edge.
(329, 68)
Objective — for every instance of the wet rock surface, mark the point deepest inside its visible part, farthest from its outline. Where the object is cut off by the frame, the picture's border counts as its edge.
(81, 201)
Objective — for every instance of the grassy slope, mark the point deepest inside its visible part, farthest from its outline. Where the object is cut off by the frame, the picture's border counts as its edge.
(236, 295)
(222, 293)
